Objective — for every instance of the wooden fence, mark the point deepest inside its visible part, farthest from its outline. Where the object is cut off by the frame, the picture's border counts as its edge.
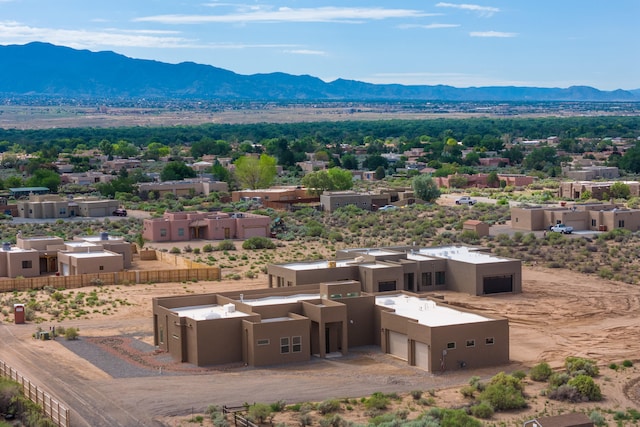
(238, 420)
(116, 278)
(52, 408)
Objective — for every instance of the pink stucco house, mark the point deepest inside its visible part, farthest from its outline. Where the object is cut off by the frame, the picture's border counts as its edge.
(184, 226)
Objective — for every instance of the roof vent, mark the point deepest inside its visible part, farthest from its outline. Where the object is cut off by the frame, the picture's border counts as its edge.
(104, 236)
(6, 246)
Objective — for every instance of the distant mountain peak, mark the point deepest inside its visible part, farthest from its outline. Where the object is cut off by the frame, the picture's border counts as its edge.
(44, 69)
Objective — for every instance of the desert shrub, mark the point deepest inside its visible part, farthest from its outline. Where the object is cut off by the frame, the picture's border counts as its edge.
(174, 250)
(597, 419)
(71, 334)
(335, 236)
(468, 391)
(587, 387)
(258, 243)
(613, 366)
(207, 248)
(196, 251)
(8, 391)
(328, 406)
(458, 418)
(377, 401)
(226, 245)
(541, 372)
(565, 393)
(504, 392)
(416, 394)
(579, 365)
(627, 363)
(519, 375)
(305, 419)
(482, 410)
(333, 421)
(558, 378)
(278, 406)
(259, 412)
(188, 249)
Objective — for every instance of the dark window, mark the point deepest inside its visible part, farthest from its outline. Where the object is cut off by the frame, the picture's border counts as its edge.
(440, 278)
(284, 345)
(426, 279)
(102, 267)
(263, 341)
(451, 346)
(387, 286)
(26, 264)
(296, 344)
(593, 222)
(488, 341)
(621, 223)
(163, 232)
(471, 343)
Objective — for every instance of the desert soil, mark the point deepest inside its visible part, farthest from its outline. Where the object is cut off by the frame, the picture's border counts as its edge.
(558, 314)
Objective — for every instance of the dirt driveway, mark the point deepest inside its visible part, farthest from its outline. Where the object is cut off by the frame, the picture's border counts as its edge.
(559, 314)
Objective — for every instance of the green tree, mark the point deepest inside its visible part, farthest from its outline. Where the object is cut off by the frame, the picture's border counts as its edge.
(586, 386)
(620, 190)
(106, 147)
(252, 172)
(125, 149)
(380, 173)
(259, 412)
(493, 180)
(349, 161)
(155, 150)
(175, 171)
(541, 158)
(630, 161)
(45, 178)
(327, 180)
(425, 188)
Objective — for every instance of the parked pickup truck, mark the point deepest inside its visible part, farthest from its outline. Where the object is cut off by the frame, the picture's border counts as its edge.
(466, 200)
(561, 228)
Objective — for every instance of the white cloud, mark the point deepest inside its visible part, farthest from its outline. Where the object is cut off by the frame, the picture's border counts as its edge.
(486, 11)
(427, 26)
(306, 52)
(498, 34)
(285, 14)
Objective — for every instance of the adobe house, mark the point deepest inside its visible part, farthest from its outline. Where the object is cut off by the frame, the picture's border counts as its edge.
(183, 187)
(574, 419)
(587, 216)
(54, 206)
(287, 325)
(18, 262)
(479, 227)
(185, 226)
(332, 200)
(275, 197)
(86, 258)
(409, 268)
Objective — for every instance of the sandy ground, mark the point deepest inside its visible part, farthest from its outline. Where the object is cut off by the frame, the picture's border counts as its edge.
(559, 314)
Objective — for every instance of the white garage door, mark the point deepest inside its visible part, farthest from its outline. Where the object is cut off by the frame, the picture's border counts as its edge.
(422, 356)
(96, 212)
(398, 345)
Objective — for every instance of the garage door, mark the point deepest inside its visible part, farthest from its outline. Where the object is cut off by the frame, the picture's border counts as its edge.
(422, 356)
(497, 284)
(96, 212)
(398, 345)
(577, 225)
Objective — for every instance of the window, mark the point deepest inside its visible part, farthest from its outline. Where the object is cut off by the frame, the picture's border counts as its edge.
(27, 264)
(471, 343)
(517, 219)
(284, 345)
(289, 283)
(593, 222)
(161, 336)
(102, 267)
(264, 341)
(296, 344)
(488, 341)
(451, 346)
(621, 223)
(163, 232)
(63, 211)
(426, 279)
(180, 231)
(440, 279)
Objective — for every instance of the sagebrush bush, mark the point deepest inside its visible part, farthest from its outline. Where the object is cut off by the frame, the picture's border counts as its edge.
(258, 243)
(541, 372)
(328, 406)
(482, 410)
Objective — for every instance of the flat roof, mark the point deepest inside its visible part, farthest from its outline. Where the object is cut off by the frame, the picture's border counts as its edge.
(207, 312)
(426, 311)
(95, 254)
(461, 253)
(280, 299)
(317, 265)
(80, 244)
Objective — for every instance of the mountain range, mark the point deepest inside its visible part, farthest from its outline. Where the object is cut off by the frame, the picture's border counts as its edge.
(42, 69)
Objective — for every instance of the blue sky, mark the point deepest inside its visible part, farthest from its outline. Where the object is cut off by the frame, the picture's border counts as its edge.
(547, 43)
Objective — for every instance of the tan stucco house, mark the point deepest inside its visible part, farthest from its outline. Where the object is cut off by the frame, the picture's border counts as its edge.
(287, 325)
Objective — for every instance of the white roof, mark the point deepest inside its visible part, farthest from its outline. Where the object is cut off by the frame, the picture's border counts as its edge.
(207, 312)
(426, 311)
(461, 253)
(317, 265)
(94, 254)
(280, 299)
